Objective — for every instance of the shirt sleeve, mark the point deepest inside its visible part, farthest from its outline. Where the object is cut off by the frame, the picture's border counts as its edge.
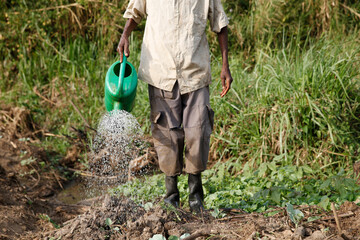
(217, 16)
(136, 10)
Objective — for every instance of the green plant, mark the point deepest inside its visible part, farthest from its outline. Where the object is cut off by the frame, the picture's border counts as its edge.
(295, 215)
(254, 190)
(28, 161)
(47, 218)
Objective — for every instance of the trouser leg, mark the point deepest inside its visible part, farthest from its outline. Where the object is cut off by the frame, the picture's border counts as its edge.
(168, 135)
(175, 118)
(197, 122)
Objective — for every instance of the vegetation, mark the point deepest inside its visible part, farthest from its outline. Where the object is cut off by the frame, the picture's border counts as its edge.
(255, 189)
(292, 113)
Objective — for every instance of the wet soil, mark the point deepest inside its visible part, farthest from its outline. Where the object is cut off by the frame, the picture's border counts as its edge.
(30, 186)
(27, 191)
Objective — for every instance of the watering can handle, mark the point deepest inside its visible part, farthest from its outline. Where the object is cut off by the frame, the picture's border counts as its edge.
(121, 76)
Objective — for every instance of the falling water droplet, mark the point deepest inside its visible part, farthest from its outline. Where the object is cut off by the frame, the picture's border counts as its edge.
(119, 139)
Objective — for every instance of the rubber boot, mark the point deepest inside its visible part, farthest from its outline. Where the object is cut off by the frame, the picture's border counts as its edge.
(172, 193)
(196, 196)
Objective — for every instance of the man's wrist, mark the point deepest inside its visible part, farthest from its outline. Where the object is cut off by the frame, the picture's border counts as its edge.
(225, 66)
(125, 35)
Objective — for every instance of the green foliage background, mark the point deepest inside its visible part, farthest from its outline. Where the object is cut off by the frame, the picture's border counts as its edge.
(294, 101)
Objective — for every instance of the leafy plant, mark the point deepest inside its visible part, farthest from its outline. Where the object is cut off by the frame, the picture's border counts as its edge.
(295, 215)
(28, 161)
(254, 190)
(108, 222)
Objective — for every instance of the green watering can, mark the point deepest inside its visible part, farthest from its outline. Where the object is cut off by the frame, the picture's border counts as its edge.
(120, 86)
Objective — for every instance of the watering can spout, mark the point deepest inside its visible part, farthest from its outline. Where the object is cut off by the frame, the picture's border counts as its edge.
(120, 86)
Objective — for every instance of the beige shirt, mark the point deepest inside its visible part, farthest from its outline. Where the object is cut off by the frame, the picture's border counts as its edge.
(175, 46)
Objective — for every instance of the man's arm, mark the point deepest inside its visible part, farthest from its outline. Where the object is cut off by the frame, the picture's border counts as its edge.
(123, 46)
(225, 75)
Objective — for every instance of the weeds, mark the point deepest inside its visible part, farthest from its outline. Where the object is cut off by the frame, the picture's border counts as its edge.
(254, 190)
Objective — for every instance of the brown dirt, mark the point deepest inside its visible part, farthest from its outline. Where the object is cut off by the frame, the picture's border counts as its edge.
(29, 208)
(131, 221)
(28, 179)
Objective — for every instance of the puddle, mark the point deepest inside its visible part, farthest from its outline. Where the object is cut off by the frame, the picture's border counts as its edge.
(78, 190)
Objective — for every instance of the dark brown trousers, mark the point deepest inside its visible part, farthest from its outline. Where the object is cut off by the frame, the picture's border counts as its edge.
(179, 121)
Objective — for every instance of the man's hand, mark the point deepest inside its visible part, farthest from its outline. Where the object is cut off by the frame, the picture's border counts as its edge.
(226, 80)
(123, 47)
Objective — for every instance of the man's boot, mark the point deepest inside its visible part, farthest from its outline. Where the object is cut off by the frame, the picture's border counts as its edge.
(196, 196)
(172, 193)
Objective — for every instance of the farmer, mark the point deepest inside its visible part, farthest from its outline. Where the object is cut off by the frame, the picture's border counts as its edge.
(175, 62)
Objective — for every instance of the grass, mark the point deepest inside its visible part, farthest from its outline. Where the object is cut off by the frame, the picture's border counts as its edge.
(296, 106)
(294, 101)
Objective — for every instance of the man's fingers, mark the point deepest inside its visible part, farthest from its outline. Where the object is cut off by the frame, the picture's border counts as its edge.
(226, 83)
(126, 50)
(121, 56)
(224, 91)
(120, 50)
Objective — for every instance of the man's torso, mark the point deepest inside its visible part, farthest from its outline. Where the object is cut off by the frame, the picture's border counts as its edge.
(175, 46)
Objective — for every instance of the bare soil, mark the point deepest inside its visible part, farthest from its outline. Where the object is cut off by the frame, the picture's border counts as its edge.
(29, 209)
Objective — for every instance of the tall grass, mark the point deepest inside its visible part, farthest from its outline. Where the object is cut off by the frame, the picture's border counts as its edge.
(258, 23)
(298, 105)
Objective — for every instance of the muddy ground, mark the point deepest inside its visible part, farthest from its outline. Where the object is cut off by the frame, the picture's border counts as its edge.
(30, 181)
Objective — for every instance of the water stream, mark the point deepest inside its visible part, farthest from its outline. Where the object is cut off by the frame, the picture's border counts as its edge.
(119, 139)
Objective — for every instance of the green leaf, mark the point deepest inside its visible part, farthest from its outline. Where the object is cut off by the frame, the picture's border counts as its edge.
(275, 195)
(310, 219)
(341, 172)
(217, 213)
(108, 222)
(343, 192)
(307, 169)
(272, 166)
(173, 238)
(325, 184)
(280, 176)
(157, 237)
(299, 174)
(184, 235)
(262, 169)
(295, 215)
(324, 203)
(148, 206)
(273, 213)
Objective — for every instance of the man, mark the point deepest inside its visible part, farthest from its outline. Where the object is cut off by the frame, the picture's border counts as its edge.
(175, 62)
